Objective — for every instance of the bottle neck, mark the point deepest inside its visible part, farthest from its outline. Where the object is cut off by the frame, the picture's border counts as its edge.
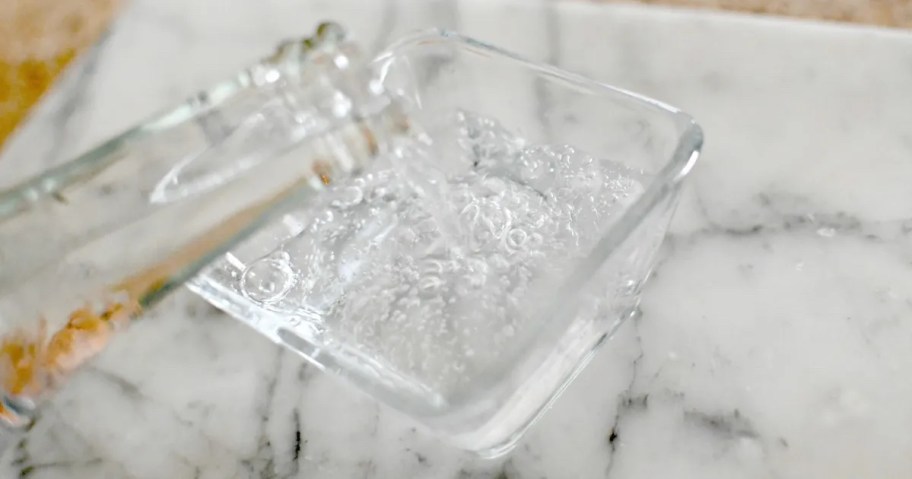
(88, 246)
(318, 88)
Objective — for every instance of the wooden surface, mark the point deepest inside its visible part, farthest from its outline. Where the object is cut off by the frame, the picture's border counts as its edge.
(40, 37)
(888, 13)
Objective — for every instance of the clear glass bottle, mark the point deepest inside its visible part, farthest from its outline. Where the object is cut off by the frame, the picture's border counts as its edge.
(87, 246)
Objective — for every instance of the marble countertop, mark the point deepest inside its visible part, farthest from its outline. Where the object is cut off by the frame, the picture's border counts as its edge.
(776, 335)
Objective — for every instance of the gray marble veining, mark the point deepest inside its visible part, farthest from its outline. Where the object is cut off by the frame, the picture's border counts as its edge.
(776, 334)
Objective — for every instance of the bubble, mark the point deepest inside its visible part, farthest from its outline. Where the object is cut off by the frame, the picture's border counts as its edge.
(516, 238)
(348, 197)
(430, 284)
(470, 213)
(432, 266)
(826, 232)
(629, 287)
(324, 217)
(267, 280)
(380, 193)
(532, 169)
(494, 185)
(476, 272)
(493, 222)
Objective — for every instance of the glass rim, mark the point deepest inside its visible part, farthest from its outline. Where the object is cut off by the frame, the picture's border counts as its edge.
(676, 167)
(665, 182)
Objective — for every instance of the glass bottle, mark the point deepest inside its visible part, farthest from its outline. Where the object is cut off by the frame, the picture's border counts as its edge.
(86, 247)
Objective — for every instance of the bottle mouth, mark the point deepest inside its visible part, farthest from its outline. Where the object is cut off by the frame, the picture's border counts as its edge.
(309, 87)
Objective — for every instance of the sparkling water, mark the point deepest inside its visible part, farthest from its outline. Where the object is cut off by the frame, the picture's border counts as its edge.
(432, 276)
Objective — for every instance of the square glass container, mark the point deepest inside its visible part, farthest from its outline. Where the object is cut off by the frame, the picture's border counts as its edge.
(467, 275)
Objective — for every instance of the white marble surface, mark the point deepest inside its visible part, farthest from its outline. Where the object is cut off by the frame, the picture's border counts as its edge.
(776, 339)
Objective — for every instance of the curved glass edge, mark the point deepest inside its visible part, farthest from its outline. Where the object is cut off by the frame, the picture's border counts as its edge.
(567, 76)
(678, 165)
(667, 180)
(288, 60)
(92, 162)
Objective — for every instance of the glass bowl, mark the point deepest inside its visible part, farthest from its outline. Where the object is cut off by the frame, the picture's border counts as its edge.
(470, 272)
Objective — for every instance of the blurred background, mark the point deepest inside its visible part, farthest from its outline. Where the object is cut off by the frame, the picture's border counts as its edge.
(41, 37)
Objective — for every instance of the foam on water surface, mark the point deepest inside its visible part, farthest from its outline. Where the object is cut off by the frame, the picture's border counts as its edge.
(428, 275)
